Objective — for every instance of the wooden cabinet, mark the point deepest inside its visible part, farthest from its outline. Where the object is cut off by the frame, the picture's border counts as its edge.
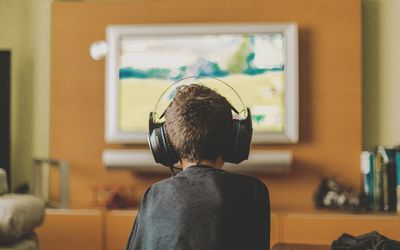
(323, 228)
(66, 229)
(274, 235)
(109, 230)
(118, 226)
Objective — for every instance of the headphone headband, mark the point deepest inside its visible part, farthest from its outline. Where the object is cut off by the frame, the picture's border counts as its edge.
(216, 84)
(238, 147)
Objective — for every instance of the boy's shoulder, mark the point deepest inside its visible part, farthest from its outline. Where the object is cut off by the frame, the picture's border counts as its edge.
(244, 178)
(184, 177)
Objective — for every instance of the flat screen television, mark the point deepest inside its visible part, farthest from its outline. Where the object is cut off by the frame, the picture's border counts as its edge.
(260, 61)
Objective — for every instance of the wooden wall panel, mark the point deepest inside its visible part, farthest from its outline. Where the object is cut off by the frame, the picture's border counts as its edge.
(330, 87)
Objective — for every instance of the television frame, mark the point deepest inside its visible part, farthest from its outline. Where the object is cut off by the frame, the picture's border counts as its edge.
(114, 33)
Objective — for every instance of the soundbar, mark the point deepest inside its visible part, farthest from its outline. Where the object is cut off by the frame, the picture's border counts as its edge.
(141, 161)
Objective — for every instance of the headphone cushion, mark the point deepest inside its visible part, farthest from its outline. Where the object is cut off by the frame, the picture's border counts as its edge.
(172, 154)
(239, 147)
(161, 147)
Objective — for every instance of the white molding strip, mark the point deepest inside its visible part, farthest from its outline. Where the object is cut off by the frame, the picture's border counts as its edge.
(141, 160)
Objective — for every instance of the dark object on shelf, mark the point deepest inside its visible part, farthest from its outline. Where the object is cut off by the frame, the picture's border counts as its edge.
(332, 194)
(117, 196)
(372, 240)
(120, 200)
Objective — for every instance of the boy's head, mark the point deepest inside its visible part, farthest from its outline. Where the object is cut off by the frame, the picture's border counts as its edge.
(198, 123)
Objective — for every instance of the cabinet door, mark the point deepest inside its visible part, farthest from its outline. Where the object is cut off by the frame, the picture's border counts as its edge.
(118, 227)
(274, 231)
(65, 229)
(323, 228)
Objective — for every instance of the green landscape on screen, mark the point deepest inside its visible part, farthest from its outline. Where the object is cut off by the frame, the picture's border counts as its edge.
(253, 65)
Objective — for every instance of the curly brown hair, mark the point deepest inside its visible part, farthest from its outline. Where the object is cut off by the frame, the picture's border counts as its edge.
(198, 123)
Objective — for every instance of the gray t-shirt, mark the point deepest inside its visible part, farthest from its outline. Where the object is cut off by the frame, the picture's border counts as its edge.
(203, 208)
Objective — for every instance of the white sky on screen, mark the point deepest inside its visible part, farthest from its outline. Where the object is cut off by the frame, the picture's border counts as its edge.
(176, 51)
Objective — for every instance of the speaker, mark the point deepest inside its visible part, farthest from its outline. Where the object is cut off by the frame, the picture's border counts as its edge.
(5, 117)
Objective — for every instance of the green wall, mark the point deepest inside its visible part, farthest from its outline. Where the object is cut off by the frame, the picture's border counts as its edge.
(381, 73)
(24, 29)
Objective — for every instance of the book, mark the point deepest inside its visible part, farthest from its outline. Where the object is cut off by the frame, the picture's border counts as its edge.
(378, 182)
(367, 170)
(397, 166)
(390, 168)
(386, 158)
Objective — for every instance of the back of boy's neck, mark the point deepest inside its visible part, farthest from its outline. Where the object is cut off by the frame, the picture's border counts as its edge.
(218, 163)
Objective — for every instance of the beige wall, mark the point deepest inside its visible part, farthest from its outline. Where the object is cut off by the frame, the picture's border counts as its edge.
(381, 74)
(25, 28)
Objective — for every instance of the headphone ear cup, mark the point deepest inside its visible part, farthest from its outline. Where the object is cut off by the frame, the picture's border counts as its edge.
(172, 156)
(161, 147)
(239, 148)
(155, 145)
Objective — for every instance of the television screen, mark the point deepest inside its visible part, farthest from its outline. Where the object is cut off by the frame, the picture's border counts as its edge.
(253, 60)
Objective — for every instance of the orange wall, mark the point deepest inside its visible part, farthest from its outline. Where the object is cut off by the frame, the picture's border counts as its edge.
(330, 87)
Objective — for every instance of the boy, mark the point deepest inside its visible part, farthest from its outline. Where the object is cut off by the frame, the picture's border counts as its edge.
(202, 207)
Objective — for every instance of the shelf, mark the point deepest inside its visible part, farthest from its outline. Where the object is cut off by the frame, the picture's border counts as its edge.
(141, 160)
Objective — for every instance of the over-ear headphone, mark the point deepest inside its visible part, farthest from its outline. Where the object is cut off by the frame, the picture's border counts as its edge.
(236, 150)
